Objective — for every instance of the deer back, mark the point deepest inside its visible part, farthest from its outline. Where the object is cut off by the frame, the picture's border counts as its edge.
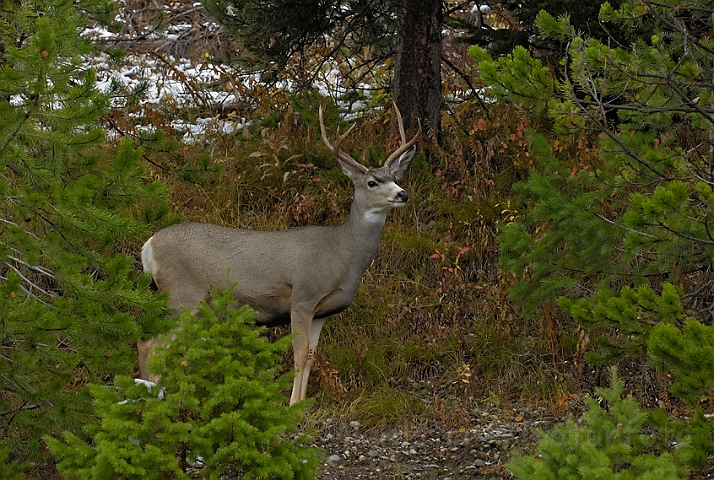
(270, 268)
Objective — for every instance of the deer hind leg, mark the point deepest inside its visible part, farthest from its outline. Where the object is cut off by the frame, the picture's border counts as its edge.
(146, 350)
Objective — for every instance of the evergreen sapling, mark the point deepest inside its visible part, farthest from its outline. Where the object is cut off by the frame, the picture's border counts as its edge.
(609, 444)
(219, 409)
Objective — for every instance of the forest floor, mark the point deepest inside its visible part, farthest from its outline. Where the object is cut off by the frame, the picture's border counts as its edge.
(472, 439)
(429, 451)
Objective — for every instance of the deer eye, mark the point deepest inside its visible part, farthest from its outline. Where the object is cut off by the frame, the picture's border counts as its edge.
(371, 184)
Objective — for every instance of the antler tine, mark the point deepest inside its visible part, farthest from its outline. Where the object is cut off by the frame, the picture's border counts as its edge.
(335, 149)
(405, 145)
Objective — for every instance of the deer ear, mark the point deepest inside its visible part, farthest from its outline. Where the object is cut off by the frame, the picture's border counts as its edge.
(353, 173)
(400, 165)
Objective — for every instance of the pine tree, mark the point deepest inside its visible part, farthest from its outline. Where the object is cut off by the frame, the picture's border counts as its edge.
(688, 352)
(519, 29)
(609, 444)
(71, 304)
(617, 225)
(219, 409)
(629, 207)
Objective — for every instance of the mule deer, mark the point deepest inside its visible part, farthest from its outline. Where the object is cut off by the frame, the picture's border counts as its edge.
(298, 276)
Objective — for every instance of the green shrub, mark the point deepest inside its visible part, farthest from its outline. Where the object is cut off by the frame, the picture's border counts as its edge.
(218, 410)
(609, 443)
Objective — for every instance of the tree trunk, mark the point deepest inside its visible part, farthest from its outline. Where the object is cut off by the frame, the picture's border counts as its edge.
(417, 67)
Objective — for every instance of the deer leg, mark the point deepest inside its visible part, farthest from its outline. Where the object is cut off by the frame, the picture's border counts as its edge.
(315, 330)
(301, 323)
(146, 349)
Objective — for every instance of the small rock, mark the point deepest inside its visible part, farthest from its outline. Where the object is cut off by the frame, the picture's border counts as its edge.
(333, 460)
(355, 424)
(478, 463)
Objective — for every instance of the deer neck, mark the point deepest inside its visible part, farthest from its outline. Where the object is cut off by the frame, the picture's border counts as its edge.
(363, 230)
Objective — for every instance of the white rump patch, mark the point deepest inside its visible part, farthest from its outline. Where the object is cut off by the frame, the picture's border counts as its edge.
(147, 257)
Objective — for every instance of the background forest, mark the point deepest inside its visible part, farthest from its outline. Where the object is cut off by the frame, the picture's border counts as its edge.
(553, 264)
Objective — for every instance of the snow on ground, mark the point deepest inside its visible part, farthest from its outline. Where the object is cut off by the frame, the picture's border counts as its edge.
(197, 84)
(168, 81)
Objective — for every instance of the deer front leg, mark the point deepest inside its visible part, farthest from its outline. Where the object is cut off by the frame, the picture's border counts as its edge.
(315, 329)
(300, 324)
(306, 333)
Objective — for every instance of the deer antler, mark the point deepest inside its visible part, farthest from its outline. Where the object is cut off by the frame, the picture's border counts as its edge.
(335, 149)
(405, 145)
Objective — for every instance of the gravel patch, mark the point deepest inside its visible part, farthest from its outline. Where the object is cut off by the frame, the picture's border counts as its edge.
(473, 452)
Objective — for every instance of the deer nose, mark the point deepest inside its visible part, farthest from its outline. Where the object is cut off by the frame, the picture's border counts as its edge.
(403, 196)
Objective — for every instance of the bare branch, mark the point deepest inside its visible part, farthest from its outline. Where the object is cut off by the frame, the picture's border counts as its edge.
(32, 406)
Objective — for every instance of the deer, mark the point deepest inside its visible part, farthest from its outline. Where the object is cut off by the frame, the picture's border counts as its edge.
(298, 276)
